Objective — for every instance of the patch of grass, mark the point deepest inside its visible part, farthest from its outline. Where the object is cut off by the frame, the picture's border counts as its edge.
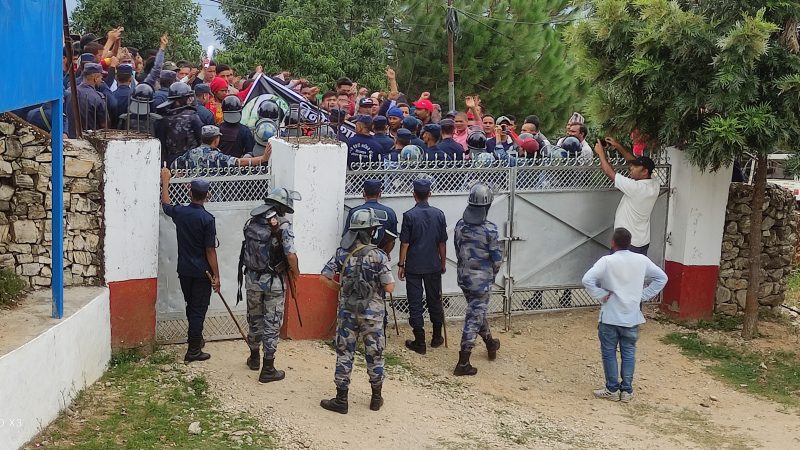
(720, 322)
(793, 289)
(137, 406)
(161, 357)
(11, 287)
(775, 376)
(124, 358)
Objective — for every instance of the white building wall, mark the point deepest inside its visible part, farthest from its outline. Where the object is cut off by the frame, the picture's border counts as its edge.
(131, 209)
(42, 377)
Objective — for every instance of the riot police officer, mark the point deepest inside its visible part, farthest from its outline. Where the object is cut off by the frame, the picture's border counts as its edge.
(423, 258)
(268, 263)
(364, 275)
(386, 234)
(139, 117)
(480, 255)
(180, 129)
(237, 140)
(197, 256)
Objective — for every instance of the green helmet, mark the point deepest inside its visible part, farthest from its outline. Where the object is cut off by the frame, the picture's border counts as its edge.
(364, 219)
(285, 197)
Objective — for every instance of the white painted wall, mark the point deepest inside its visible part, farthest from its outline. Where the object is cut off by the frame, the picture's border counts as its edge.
(131, 209)
(42, 377)
(696, 213)
(317, 171)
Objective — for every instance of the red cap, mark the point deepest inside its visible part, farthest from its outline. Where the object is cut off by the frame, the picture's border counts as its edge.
(218, 84)
(530, 145)
(424, 104)
(470, 116)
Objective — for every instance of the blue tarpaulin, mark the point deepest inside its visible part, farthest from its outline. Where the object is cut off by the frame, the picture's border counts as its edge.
(31, 48)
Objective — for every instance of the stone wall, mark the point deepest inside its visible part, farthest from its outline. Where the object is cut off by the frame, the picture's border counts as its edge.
(779, 236)
(26, 206)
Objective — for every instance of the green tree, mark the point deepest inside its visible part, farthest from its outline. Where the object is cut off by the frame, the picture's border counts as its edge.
(144, 21)
(718, 79)
(320, 40)
(509, 52)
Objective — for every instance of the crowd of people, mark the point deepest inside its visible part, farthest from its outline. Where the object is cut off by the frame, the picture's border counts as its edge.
(197, 107)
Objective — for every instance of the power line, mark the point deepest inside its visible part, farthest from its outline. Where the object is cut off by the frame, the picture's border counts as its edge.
(518, 22)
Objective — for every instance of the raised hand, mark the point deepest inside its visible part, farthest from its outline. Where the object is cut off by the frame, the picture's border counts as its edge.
(164, 41)
(390, 73)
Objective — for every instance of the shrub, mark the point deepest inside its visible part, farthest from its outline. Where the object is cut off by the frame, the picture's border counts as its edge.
(11, 286)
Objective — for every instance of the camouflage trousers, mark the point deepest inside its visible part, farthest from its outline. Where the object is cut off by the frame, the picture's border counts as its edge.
(265, 317)
(348, 329)
(475, 322)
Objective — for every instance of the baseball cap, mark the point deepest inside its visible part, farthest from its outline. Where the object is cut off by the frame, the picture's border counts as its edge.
(379, 121)
(434, 129)
(395, 112)
(410, 123)
(366, 102)
(169, 65)
(202, 88)
(405, 134)
(86, 58)
(451, 114)
(503, 119)
(209, 131)
(125, 69)
(200, 185)
(422, 185)
(372, 187)
(92, 68)
(168, 75)
(365, 119)
(424, 104)
(645, 162)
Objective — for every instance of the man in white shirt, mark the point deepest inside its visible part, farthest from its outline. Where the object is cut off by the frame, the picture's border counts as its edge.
(578, 131)
(616, 281)
(639, 194)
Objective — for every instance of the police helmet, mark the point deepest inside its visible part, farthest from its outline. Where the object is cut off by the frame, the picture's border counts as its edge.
(140, 100)
(268, 109)
(571, 147)
(480, 194)
(484, 159)
(264, 130)
(231, 109)
(364, 219)
(411, 153)
(179, 90)
(284, 197)
(476, 140)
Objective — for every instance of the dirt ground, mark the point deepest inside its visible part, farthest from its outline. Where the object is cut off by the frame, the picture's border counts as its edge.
(537, 394)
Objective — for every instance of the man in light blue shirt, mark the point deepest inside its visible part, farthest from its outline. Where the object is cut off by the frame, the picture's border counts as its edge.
(617, 281)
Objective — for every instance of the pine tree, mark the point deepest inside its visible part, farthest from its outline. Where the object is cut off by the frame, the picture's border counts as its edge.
(144, 21)
(717, 78)
(509, 52)
(320, 40)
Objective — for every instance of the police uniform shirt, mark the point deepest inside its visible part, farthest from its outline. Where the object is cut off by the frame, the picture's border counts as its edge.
(419, 143)
(196, 232)
(120, 99)
(452, 149)
(434, 153)
(386, 142)
(363, 148)
(159, 97)
(388, 226)
(92, 106)
(236, 139)
(423, 228)
(206, 116)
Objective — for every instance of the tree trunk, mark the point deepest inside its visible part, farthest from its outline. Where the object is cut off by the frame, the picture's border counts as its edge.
(750, 327)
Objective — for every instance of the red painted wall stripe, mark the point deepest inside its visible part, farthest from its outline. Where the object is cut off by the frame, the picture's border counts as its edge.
(690, 291)
(133, 312)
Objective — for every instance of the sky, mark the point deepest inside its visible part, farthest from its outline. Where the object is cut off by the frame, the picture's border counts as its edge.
(208, 11)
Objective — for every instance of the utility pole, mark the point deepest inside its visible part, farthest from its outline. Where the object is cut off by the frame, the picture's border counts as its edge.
(451, 82)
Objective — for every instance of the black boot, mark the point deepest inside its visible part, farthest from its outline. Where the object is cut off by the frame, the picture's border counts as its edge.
(269, 373)
(464, 367)
(194, 352)
(338, 403)
(437, 340)
(254, 361)
(492, 345)
(376, 401)
(418, 344)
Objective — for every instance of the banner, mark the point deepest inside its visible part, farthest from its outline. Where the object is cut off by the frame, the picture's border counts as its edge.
(266, 88)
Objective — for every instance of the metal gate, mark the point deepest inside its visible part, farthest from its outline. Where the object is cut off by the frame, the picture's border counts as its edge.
(234, 192)
(555, 216)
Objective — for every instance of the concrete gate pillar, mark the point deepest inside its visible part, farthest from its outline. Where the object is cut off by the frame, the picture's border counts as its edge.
(318, 172)
(694, 238)
(130, 248)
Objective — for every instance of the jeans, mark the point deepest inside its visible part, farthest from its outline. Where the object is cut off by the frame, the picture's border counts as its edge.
(610, 337)
(197, 294)
(433, 298)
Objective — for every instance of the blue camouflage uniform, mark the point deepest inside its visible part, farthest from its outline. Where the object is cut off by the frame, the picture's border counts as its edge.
(479, 256)
(359, 314)
(204, 157)
(389, 226)
(266, 297)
